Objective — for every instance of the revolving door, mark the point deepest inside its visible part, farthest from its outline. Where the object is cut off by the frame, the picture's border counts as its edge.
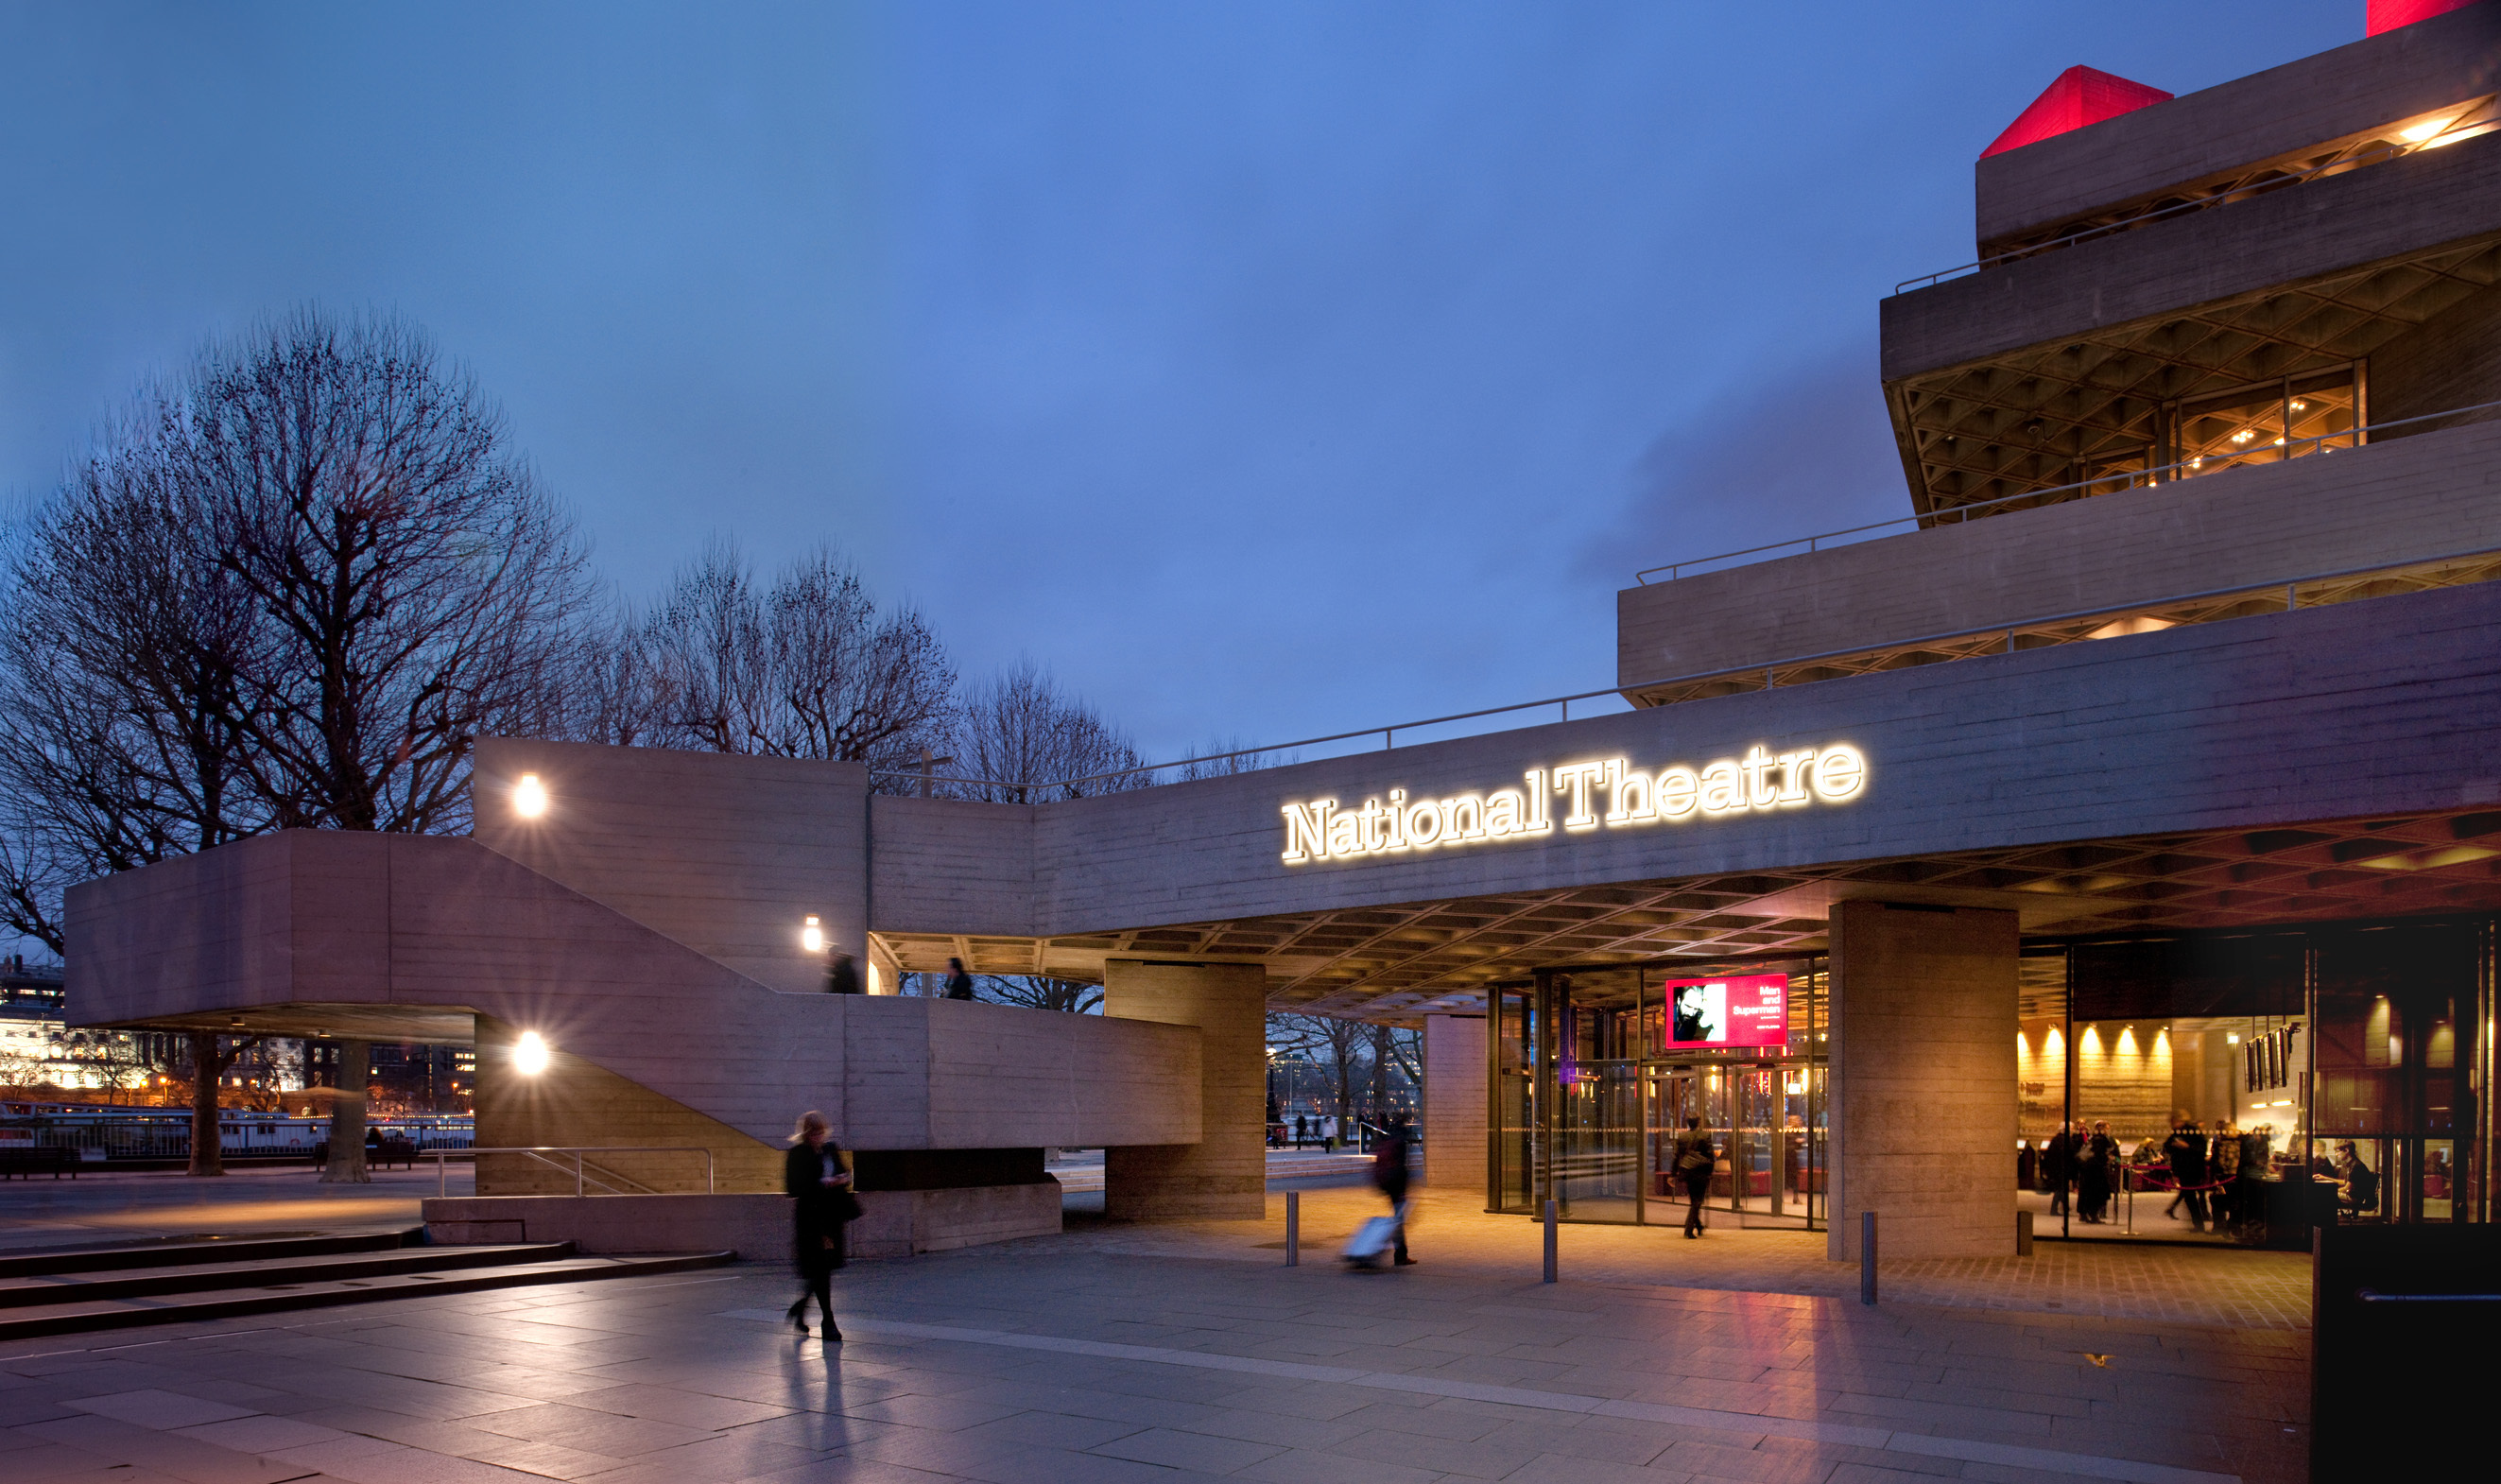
(1593, 1073)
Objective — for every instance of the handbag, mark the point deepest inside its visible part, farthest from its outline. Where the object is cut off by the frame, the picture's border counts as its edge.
(847, 1208)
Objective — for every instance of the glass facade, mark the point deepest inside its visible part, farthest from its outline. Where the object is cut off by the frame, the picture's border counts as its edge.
(1595, 1072)
(2244, 1087)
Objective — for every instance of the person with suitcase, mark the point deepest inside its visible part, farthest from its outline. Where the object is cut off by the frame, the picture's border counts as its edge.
(1386, 1235)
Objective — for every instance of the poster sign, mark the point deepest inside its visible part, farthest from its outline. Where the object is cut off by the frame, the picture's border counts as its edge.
(1733, 1010)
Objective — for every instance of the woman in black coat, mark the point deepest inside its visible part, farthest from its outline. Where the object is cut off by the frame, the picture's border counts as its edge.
(818, 1177)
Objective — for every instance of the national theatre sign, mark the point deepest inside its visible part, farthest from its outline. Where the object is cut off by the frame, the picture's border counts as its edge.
(1761, 781)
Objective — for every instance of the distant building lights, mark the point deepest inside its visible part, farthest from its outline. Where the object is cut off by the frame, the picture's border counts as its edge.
(811, 936)
(529, 796)
(530, 1055)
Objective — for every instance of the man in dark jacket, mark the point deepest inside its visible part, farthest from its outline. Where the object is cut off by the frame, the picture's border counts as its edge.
(2185, 1150)
(959, 984)
(2058, 1164)
(1390, 1175)
(1696, 1156)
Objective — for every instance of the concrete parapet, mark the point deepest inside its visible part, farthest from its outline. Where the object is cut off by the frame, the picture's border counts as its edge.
(895, 1224)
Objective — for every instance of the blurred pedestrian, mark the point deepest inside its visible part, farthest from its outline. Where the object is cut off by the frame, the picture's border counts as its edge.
(1696, 1156)
(816, 1175)
(959, 984)
(1389, 1175)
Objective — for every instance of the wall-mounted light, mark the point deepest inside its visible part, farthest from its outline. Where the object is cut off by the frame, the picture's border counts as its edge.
(529, 796)
(811, 936)
(530, 1054)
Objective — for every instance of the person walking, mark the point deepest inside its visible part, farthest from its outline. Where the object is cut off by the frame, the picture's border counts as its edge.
(959, 984)
(816, 1175)
(2093, 1174)
(2058, 1164)
(842, 976)
(2185, 1151)
(1302, 1129)
(1389, 1177)
(2223, 1173)
(1695, 1159)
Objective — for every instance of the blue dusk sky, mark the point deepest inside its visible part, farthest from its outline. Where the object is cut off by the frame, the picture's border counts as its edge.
(1261, 369)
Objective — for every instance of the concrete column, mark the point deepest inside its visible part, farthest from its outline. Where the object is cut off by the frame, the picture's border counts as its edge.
(1224, 1175)
(1454, 1103)
(1923, 1079)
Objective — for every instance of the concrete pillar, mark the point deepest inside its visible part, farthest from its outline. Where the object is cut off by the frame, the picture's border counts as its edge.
(1224, 1175)
(1454, 1103)
(1923, 1078)
(347, 1162)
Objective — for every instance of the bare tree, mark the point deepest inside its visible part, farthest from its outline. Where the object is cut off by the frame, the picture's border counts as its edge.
(1040, 991)
(1224, 756)
(1335, 1044)
(212, 1055)
(1028, 742)
(414, 584)
(808, 667)
(285, 592)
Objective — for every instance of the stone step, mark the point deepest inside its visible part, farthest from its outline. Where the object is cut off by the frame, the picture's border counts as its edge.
(52, 1289)
(213, 1249)
(226, 1304)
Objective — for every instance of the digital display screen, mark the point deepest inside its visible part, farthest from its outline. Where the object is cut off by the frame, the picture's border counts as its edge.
(1731, 1010)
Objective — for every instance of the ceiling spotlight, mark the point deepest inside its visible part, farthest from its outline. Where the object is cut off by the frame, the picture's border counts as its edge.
(530, 1055)
(529, 796)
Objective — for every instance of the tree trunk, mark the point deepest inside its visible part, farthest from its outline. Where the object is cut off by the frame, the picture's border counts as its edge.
(347, 1165)
(208, 1152)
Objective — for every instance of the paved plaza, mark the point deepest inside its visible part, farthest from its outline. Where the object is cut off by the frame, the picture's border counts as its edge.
(1191, 1351)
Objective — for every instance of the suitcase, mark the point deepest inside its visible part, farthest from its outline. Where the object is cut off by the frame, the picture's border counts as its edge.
(1373, 1242)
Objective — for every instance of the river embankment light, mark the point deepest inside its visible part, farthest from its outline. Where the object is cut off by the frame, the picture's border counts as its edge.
(530, 1055)
(529, 796)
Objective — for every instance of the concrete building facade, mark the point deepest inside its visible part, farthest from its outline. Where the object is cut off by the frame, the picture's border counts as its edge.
(2148, 780)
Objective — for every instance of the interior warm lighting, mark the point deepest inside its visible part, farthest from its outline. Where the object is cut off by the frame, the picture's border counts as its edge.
(530, 1054)
(2414, 134)
(2431, 858)
(2232, 1039)
(812, 936)
(529, 796)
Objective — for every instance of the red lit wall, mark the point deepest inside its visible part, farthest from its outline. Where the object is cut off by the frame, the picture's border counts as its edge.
(2080, 96)
(2388, 15)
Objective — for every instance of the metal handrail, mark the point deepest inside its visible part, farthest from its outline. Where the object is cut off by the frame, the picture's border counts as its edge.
(2454, 127)
(441, 1162)
(1962, 512)
(1767, 667)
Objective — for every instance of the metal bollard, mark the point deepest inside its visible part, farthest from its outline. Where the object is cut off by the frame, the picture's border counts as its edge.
(1293, 1229)
(1550, 1241)
(1866, 1256)
(2022, 1234)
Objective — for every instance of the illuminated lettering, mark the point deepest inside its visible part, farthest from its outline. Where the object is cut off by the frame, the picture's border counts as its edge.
(1630, 794)
(1575, 778)
(1307, 830)
(1793, 770)
(1840, 772)
(1762, 779)
(1679, 788)
(1757, 768)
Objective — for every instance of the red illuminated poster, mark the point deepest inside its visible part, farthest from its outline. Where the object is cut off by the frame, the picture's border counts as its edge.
(1736, 1010)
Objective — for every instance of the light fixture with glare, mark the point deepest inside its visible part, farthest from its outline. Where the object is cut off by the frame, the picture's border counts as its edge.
(2414, 134)
(530, 1054)
(529, 796)
(812, 936)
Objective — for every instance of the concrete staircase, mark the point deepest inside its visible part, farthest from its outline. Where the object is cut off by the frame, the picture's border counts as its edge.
(62, 1293)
